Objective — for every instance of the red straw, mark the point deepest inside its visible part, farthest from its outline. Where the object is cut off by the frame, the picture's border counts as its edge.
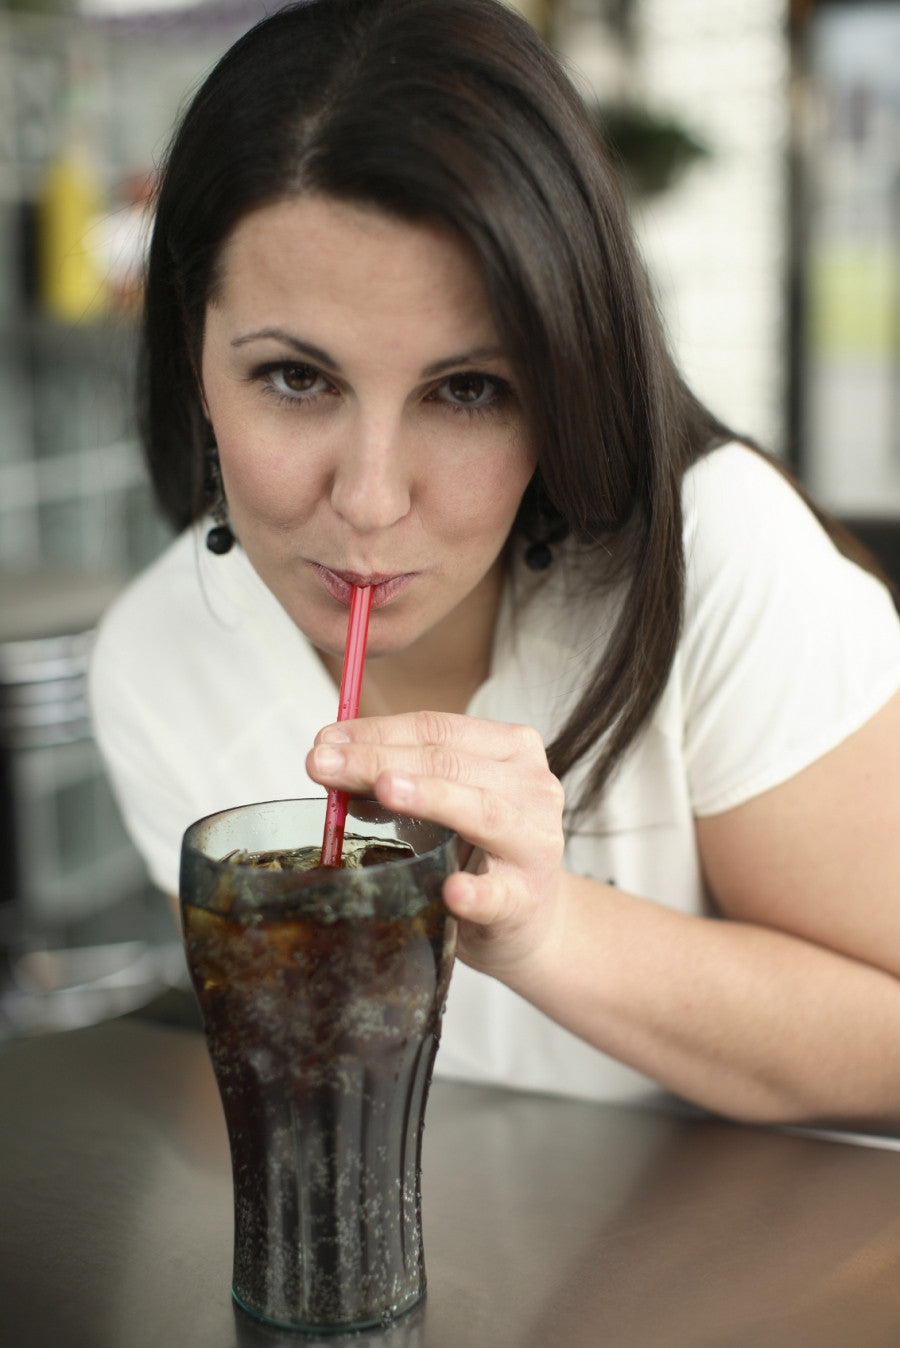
(348, 709)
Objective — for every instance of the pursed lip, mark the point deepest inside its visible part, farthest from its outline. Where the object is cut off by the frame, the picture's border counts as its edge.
(339, 584)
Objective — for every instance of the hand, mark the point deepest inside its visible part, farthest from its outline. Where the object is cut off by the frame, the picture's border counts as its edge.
(491, 784)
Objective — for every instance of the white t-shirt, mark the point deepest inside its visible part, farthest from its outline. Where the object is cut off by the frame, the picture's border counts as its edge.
(205, 695)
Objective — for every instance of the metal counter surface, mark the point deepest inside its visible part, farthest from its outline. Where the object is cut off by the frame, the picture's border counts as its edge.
(547, 1223)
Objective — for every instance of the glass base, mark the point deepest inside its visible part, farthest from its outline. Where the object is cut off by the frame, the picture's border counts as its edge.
(386, 1318)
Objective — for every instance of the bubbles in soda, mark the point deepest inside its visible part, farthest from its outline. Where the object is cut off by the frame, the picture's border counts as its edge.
(322, 1035)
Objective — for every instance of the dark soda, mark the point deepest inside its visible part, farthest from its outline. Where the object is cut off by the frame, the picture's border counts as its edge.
(322, 1035)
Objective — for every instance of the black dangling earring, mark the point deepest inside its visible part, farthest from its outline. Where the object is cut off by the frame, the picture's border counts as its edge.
(538, 556)
(545, 529)
(220, 538)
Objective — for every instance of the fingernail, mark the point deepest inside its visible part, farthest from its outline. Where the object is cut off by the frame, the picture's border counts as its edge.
(403, 790)
(333, 734)
(328, 759)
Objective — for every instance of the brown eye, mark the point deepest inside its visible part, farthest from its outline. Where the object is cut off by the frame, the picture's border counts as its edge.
(299, 378)
(472, 392)
(467, 388)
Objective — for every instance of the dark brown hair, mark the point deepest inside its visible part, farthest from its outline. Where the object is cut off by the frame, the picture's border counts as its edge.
(455, 110)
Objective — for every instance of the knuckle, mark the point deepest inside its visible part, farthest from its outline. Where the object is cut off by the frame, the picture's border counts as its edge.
(432, 727)
(443, 763)
(556, 794)
(530, 742)
(493, 812)
(549, 829)
(549, 832)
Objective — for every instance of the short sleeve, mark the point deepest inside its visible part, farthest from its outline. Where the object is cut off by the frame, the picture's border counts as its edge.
(787, 646)
(203, 694)
(137, 749)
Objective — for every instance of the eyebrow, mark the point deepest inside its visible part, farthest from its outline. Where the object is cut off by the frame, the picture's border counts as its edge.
(302, 348)
(478, 353)
(321, 357)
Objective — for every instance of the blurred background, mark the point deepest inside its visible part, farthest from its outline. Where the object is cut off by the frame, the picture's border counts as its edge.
(759, 143)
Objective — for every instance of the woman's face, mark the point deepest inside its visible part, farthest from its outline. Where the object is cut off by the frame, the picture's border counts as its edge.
(365, 412)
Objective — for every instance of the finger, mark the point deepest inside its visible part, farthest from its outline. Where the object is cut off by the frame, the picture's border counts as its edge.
(478, 899)
(492, 739)
(355, 767)
(486, 818)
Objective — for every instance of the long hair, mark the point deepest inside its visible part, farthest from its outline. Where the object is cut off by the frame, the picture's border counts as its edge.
(454, 110)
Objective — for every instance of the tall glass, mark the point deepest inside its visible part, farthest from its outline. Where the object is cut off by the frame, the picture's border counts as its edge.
(322, 997)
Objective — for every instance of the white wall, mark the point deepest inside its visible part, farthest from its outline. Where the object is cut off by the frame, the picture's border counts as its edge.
(716, 243)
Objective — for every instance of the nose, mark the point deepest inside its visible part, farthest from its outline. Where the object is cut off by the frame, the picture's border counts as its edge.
(371, 487)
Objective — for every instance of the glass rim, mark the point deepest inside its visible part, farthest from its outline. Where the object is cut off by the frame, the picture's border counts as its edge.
(209, 880)
(378, 814)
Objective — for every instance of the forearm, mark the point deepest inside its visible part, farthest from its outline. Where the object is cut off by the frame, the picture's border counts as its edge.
(744, 1020)
(735, 1014)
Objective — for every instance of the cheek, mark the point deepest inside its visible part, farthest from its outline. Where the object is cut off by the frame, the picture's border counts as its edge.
(487, 495)
(265, 485)
(263, 478)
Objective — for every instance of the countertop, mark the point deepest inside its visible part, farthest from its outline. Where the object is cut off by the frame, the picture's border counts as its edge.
(548, 1223)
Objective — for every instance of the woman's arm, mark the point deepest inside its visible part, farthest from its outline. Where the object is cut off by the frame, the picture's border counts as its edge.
(789, 1010)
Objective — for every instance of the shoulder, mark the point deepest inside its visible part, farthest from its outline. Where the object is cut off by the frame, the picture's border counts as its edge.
(170, 630)
(184, 601)
(787, 646)
(750, 534)
(157, 597)
(736, 498)
(198, 639)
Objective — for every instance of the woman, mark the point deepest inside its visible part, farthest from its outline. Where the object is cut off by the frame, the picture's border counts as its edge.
(396, 334)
